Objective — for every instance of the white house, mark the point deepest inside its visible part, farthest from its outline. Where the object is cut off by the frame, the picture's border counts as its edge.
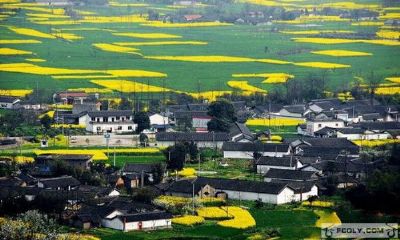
(245, 150)
(314, 125)
(264, 164)
(202, 139)
(108, 121)
(7, 102)
(274, 193)
(137, 221)
(158, 119)
(359, 133)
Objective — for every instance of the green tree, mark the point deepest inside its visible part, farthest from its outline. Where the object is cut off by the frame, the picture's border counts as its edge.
(223, 115)
(142, 120)
(46, 121)
(175, 156)
(125, 104)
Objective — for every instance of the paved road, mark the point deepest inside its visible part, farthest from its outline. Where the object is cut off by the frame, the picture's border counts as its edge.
(99, 140)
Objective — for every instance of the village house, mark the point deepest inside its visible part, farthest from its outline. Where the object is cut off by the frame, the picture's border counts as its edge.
(58, 183)
(201, 139)
(239, 132)
(294, 111)
(124, 215)
(315, 125)
(159, 122)
(138, 174)
(263, 164)
(75, 160)
(69, 97)
(117, 121)
(245, 150)
(325, 148)
(7, 102)
(289, 175)
(274, 193)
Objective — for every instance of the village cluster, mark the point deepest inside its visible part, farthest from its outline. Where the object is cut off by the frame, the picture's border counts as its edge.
(326, 148)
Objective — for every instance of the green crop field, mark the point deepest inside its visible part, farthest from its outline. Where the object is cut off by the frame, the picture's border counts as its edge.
(247, 41)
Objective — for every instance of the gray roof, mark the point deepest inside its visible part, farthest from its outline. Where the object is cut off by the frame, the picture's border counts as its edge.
(298, 108)
(378, 125)
(279, 162)
(239, 128)
(190, 114)
(139, 167)
(286, 174)
(252, 147)
(8, 99)
(351, 130)
(62, 182)
(116, 113)
(192, 136)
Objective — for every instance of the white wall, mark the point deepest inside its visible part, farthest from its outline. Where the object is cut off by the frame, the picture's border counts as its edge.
(315, 126)
(217, 144)
(104, 127)
(158, 119)
(349, 136)
(264, 168)
(267, 198)
(117, 224)
(249, 155)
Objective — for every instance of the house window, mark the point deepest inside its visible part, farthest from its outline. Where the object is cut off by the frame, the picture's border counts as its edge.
(337, 124)
(98, 128)
(93, 119)
(97, 119)
(112, 119)
(320, 125)
(105, 119)
(119, 127)
(117, 118)
(129, 127)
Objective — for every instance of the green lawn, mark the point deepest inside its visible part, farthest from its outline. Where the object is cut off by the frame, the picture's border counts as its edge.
(120, 160)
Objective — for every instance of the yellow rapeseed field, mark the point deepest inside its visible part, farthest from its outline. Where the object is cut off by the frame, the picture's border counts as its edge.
(49, 113)
(12, 51)
(31, 32)
(134, 73)
(345, 96)
(341, 53)
(387, 90)
(147, 35)
(213, 213)
(326, 217)
(269, 77)
(321, 65)
(375, 143)
(128, 86)
(388, 34)
(160, 43)
(18, 41)
(67, 126)
(393, 79)
(209, 95)
(202, 58)
(367, 23)
(15, 92)
(242, 219)
(35, 60)
(391, 15)
(274, 122)
(184, 25)
(245, 86)
(325, 204)
(187, 172)
(115, 48)
(188, 220)
(46, 15)
(342, 40)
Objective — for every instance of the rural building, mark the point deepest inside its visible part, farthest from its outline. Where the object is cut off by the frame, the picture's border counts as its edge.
(291, 175)
(138, 174)
(203, 140)
(58, 183)
(98, 122)
(325, 148)
(245, 150)
(7, 102)
(295, 111)
(75, 160)
(316, 125)
(265, 163)
(69, 97)
(274, 193)
(239, 132)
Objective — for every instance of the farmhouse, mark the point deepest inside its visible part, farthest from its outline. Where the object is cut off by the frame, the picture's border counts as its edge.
(325, 148)
(274, 193)
(292, 175)
(203, 140)
(69, 97)
(58, 183)
(265, 163)
(316, 125)
(108, 121)
(158, 121)
(7, 102)
(245, 150)
(137, 174)
(75, 160)
(239, 132)
(295, 111)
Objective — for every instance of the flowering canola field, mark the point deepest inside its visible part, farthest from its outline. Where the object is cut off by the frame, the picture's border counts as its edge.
(274, 122)
(245, 86)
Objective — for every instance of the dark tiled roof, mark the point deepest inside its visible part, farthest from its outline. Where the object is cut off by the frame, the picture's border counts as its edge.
(299, 108)
(378, 125)
(324, 131)
(290, 174)
(251, 147)
(119, 113)
(269, 108)
(275, 161)
(64, 157)
(190, 114)
(186, 186)
(138, 167)
(327, 152)
(61, 182)
(329, 142)
(351, 130)
(239, 128)
(198, 107)
(175, 108)
(191, 136)
(8, 99)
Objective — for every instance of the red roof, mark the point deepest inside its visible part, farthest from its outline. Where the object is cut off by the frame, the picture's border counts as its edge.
(192, 17)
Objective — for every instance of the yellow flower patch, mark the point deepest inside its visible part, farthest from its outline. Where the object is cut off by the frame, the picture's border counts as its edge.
(67, 36)
(388, 34)
(325, 204)
(274, 122)
(326, 217)
(17, 41)
(31, 32)
(148, 35)
(393, 79)
(345, 96)
(213, 213)
(187, 172)
(376, 143)
(383, 42)
(210, 95)
(188, 220)
(242, 219)
(61, 106)
(91, 90)
(322, 65)
(46, 15)
(97, 154)
(160, 43)
(202, 58)
(325, 40)
(35, 60)
(67, 126)
(368, 23)
(392, 15)
(12, 51)
(269, 77)
(129, 86)
(387, 90)
(341, 53)
(23, 160)
(15, 92)
(134, 73)
(115, 48)
(245, 86)
(49, 113)
(160, 24)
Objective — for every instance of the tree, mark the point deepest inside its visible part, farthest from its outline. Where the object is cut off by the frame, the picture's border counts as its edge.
(373, 82)
(142, 120)
(46, 121)
(192, 150)
(223, 115)
(143, 139)
(176, 156)
(125, 104)
(218, 125)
